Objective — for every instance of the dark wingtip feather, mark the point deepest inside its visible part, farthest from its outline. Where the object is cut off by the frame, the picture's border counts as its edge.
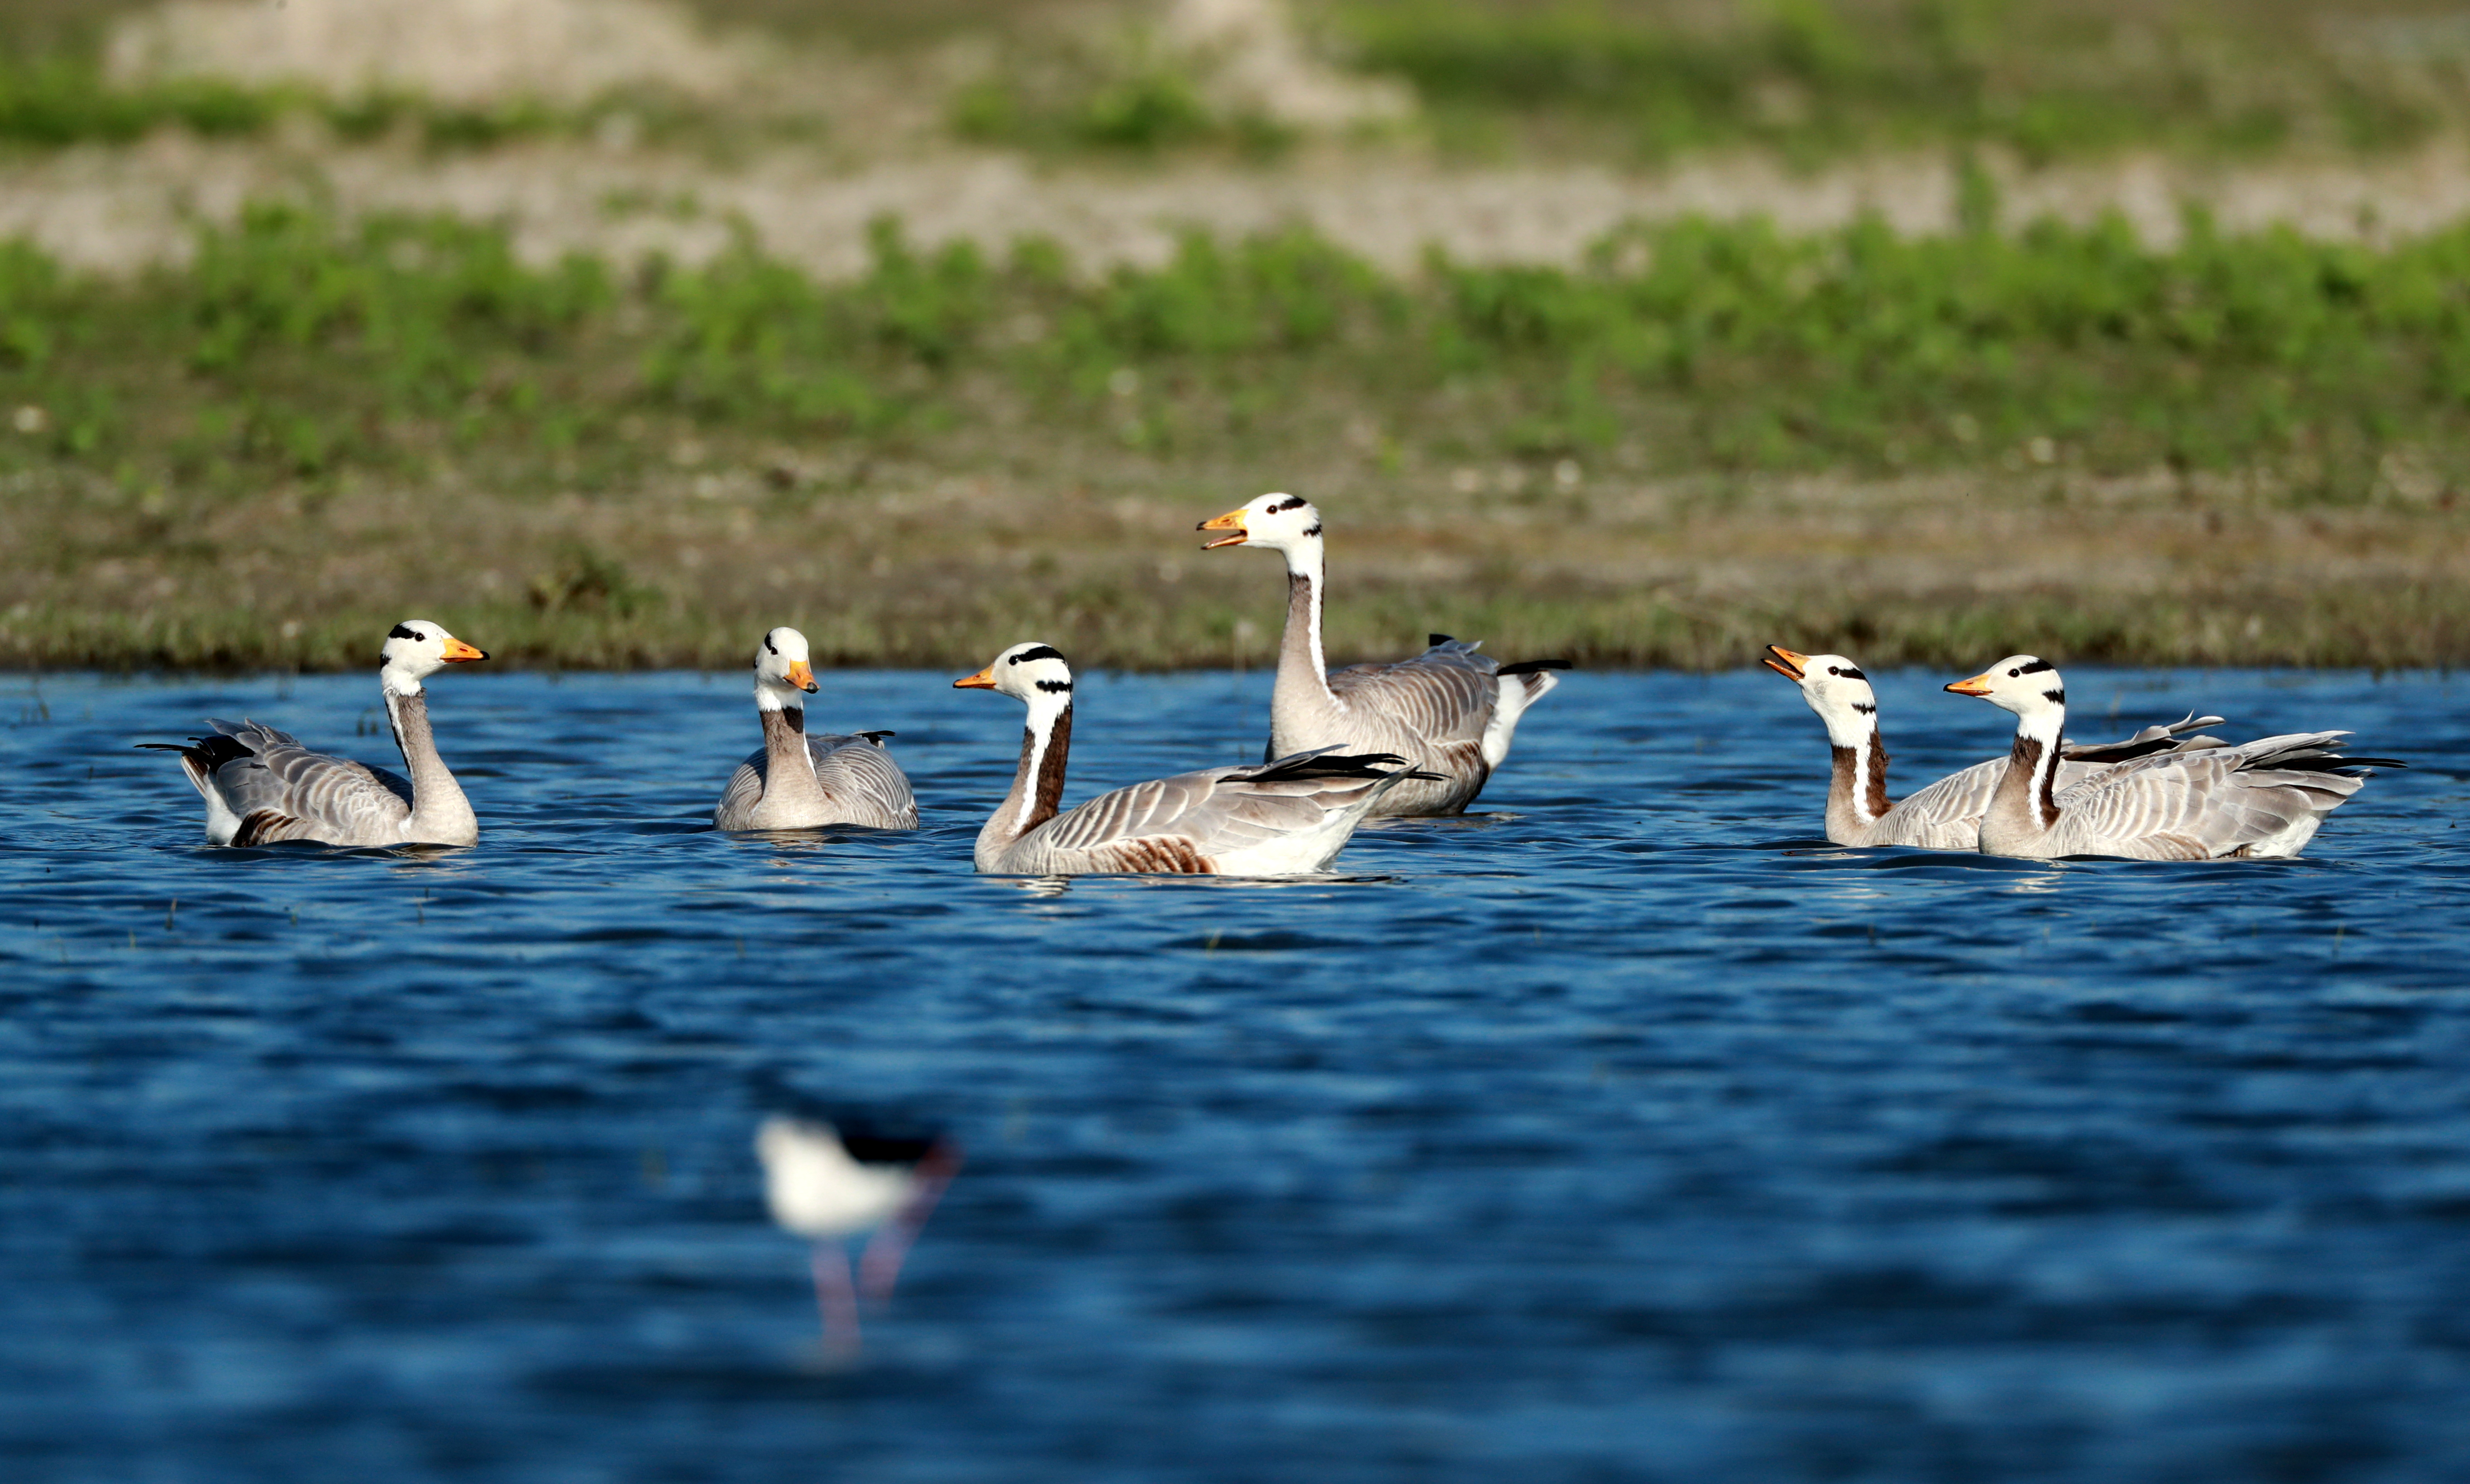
(1531, 667)
(1436, 641)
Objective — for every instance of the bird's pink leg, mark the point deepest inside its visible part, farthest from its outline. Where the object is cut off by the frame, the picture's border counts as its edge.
(880, 1267)
(835, 1298)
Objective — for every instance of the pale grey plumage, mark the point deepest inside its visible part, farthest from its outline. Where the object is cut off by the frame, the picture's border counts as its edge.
(859, 782)
(1451, 711)
(1946, 815)
(1287, 817)
(796, 782)
(2265, 798)
(261, 785)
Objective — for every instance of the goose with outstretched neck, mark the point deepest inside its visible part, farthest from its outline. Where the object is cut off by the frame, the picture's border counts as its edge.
(1285, 818)
(2265, 798)
(1448, 711)
(801, 781)
(1947, 815)
(262, 786)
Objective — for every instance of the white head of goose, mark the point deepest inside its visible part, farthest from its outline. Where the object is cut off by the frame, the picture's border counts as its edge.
(2265, 798)
(798, 782)
(1450, 710)
(1947, 815)
(1285, 818)
(261, 785)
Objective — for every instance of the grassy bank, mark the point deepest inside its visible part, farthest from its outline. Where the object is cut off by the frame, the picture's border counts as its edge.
(2244, 449)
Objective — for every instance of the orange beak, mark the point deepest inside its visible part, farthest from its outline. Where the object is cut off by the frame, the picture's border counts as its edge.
(801, 676)
(458, 652)
(1232, 521)
(1784, 662)
(1978, 685)
(984, 680)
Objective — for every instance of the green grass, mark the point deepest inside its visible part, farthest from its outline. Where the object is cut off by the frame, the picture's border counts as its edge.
(2279, 423)
(1823, 77)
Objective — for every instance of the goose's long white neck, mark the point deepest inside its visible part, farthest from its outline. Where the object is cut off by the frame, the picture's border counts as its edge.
(1037, 792)
(1303, 671)
(2025, 803)
(440, 814)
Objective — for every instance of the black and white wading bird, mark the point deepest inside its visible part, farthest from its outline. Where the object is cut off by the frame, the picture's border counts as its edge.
(1448, 711)
(1284, 817)
(1947, 815)
(797, 781)
(829, 1185)
(261, 785)
(2261, 797)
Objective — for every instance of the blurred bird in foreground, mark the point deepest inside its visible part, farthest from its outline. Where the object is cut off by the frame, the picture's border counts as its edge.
(828, 1186)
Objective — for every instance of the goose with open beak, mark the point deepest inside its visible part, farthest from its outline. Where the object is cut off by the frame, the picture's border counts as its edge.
(2265, 798)
(1285, 818)
(797, 781)
(1450, 711)
(261, 785)
(1947, 815)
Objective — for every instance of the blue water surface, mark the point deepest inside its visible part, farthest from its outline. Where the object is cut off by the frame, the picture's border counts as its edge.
(1624, 1129)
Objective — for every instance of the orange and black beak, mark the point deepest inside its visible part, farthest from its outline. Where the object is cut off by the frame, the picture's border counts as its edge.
(458, 652)
(1232, 521)
(1784, 662)
(802, 676)
(984, 680)
(1978, 685)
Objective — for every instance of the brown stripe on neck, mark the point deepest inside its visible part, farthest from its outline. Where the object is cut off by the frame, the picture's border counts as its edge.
(2027, 758)
(1878, 804)
(1046, 790)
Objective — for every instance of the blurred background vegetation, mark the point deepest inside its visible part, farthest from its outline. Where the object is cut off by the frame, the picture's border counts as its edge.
(2003, 395)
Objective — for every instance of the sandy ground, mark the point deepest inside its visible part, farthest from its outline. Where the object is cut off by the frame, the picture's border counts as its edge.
(120, 209)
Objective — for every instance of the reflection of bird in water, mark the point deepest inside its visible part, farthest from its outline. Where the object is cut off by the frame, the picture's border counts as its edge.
(828, 1185)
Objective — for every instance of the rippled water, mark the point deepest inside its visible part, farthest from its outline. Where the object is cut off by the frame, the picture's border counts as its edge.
(1625, 1131)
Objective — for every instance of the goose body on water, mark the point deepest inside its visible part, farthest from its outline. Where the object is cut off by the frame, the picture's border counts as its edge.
(798, 782)
(1284, 817)
(261, 785)
(2265, 798)
(1448, 711)
(1947, 815)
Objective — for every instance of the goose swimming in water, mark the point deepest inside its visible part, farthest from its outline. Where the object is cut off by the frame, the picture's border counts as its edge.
(828, 1185)
(1448, 711)
(2265, 798)
(796, 782)
(261, 785)
(1947, 815)
(1285, 818)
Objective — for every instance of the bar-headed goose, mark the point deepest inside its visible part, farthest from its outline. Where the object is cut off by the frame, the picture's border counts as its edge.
(1284, 817)
(2260, 797)
(1449, 710)
(261, 785)
(829, 1184)
(1947, 815)
(796, 782)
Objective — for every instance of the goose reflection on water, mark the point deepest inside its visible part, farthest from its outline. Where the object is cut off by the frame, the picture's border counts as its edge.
(829, 1186)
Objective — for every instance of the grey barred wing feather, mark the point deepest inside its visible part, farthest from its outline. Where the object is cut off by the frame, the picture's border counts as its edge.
(1272, 817)
(282, 791)
(743, 793)
(859, 777)
(2260, 797)
(1445, 694)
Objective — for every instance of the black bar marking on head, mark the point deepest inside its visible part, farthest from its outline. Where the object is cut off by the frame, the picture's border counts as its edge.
(1057, 686)
(1865, 708)
(400, 632)
(2056, 697)
(1313, 529)
(1041, 652)
(2037, 667)
(767, 645)
(1290, 502)
(1852, 673)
